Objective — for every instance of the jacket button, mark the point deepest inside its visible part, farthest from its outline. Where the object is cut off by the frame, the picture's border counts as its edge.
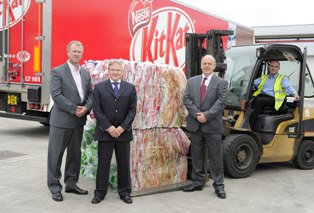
(116, 110)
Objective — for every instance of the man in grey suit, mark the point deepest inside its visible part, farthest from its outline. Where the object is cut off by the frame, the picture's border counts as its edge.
(71, 91)
(204, 99)
(114, 107)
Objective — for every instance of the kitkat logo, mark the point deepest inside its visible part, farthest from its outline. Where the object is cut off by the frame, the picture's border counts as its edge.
(12, 11)
(163, 39)
(139, 15)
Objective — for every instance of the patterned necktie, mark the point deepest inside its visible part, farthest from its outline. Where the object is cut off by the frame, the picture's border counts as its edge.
(116, 88)
(203, 90)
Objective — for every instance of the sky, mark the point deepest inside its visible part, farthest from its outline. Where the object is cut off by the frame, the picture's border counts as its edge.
(252, 13)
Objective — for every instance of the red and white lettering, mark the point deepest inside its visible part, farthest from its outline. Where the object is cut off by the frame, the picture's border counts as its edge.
(12, 11)
(160, 42)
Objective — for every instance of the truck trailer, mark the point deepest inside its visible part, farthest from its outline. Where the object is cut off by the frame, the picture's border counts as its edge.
(34, 35)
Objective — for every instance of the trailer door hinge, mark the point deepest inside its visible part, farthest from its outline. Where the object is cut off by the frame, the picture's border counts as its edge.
(39, 38)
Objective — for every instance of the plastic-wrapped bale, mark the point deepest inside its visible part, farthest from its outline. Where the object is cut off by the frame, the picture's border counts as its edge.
(158, 152)
(158, 157)
(159, 87)
(172, 110)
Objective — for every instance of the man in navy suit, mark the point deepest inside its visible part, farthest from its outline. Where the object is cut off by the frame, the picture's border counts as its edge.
(71, 91)
(114, 107)
(204, 99)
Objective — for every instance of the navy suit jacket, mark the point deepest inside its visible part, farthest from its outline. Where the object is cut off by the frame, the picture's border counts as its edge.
(117, 111)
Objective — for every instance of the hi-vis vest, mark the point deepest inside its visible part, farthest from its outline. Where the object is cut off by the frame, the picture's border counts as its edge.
(279, 92)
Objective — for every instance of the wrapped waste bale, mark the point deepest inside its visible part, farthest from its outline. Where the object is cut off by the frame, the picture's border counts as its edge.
(159, 148)
(159, 88)
(158, 157)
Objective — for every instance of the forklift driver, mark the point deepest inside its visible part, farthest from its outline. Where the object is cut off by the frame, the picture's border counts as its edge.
(271, 92)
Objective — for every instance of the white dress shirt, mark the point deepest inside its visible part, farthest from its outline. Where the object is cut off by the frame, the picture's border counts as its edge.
(78, 79)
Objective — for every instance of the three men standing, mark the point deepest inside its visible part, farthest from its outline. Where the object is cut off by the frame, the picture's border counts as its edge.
(114, 105)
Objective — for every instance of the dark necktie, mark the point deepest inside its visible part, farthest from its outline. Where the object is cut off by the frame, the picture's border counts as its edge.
(116, 88)
(203, 90)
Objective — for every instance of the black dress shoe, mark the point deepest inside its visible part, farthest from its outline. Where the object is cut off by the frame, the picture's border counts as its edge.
(57, 197)
(76, 190)
(193, 188)
(97, 199)
(127, 199)
(221, 193)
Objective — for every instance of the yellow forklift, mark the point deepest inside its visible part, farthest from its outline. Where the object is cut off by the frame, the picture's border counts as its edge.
(277, 137)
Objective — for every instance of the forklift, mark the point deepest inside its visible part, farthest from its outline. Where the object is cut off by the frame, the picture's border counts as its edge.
(278, 137)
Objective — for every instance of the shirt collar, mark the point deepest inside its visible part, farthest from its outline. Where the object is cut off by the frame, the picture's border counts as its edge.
(203, 76)
(273, 76)
(208, 77)
(115, 81)
(73, 68)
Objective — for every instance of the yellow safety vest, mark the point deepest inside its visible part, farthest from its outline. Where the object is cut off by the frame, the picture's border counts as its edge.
(280, 93)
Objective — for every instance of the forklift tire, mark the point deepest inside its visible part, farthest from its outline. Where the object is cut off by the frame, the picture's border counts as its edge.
(305, 155)
(241, 155)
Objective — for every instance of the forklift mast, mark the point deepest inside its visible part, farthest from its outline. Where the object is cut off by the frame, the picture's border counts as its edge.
(198, 45)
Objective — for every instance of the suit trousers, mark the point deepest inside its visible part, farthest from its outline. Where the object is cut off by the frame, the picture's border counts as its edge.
(199, 140)
(122, 152)
(59, 140)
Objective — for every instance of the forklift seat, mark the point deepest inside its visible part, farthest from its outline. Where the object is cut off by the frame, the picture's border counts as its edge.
(267, 124)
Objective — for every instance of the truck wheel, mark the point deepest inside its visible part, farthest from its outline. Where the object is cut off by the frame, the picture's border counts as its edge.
(305, 155)
(240, 155)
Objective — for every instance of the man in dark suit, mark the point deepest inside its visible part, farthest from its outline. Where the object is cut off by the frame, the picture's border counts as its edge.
(71, 91)
(204, 99)
(114, 107)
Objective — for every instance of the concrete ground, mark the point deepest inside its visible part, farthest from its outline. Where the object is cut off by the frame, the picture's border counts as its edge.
(23, 153)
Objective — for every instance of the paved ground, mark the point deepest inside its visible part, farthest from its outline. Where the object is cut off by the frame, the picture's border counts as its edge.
(23, 152)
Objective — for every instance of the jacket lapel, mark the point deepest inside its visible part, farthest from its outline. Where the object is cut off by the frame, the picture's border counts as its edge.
(198, 89)
(210, 85)
(108, 87)
(122, 88)
(83, 81)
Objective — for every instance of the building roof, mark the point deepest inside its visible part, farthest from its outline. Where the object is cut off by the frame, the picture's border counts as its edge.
(300, 35)
(296, 32)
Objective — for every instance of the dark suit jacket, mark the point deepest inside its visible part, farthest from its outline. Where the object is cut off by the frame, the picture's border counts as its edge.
(66, 97)
(212, 106)
(109, 110)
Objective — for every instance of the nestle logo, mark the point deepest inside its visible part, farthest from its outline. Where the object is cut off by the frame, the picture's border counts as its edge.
(139, 15)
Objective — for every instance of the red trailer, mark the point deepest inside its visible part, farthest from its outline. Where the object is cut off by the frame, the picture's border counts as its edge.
(34, 35)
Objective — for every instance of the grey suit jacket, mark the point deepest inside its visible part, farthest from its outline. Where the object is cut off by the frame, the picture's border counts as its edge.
(212, 106)
(66, 97)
